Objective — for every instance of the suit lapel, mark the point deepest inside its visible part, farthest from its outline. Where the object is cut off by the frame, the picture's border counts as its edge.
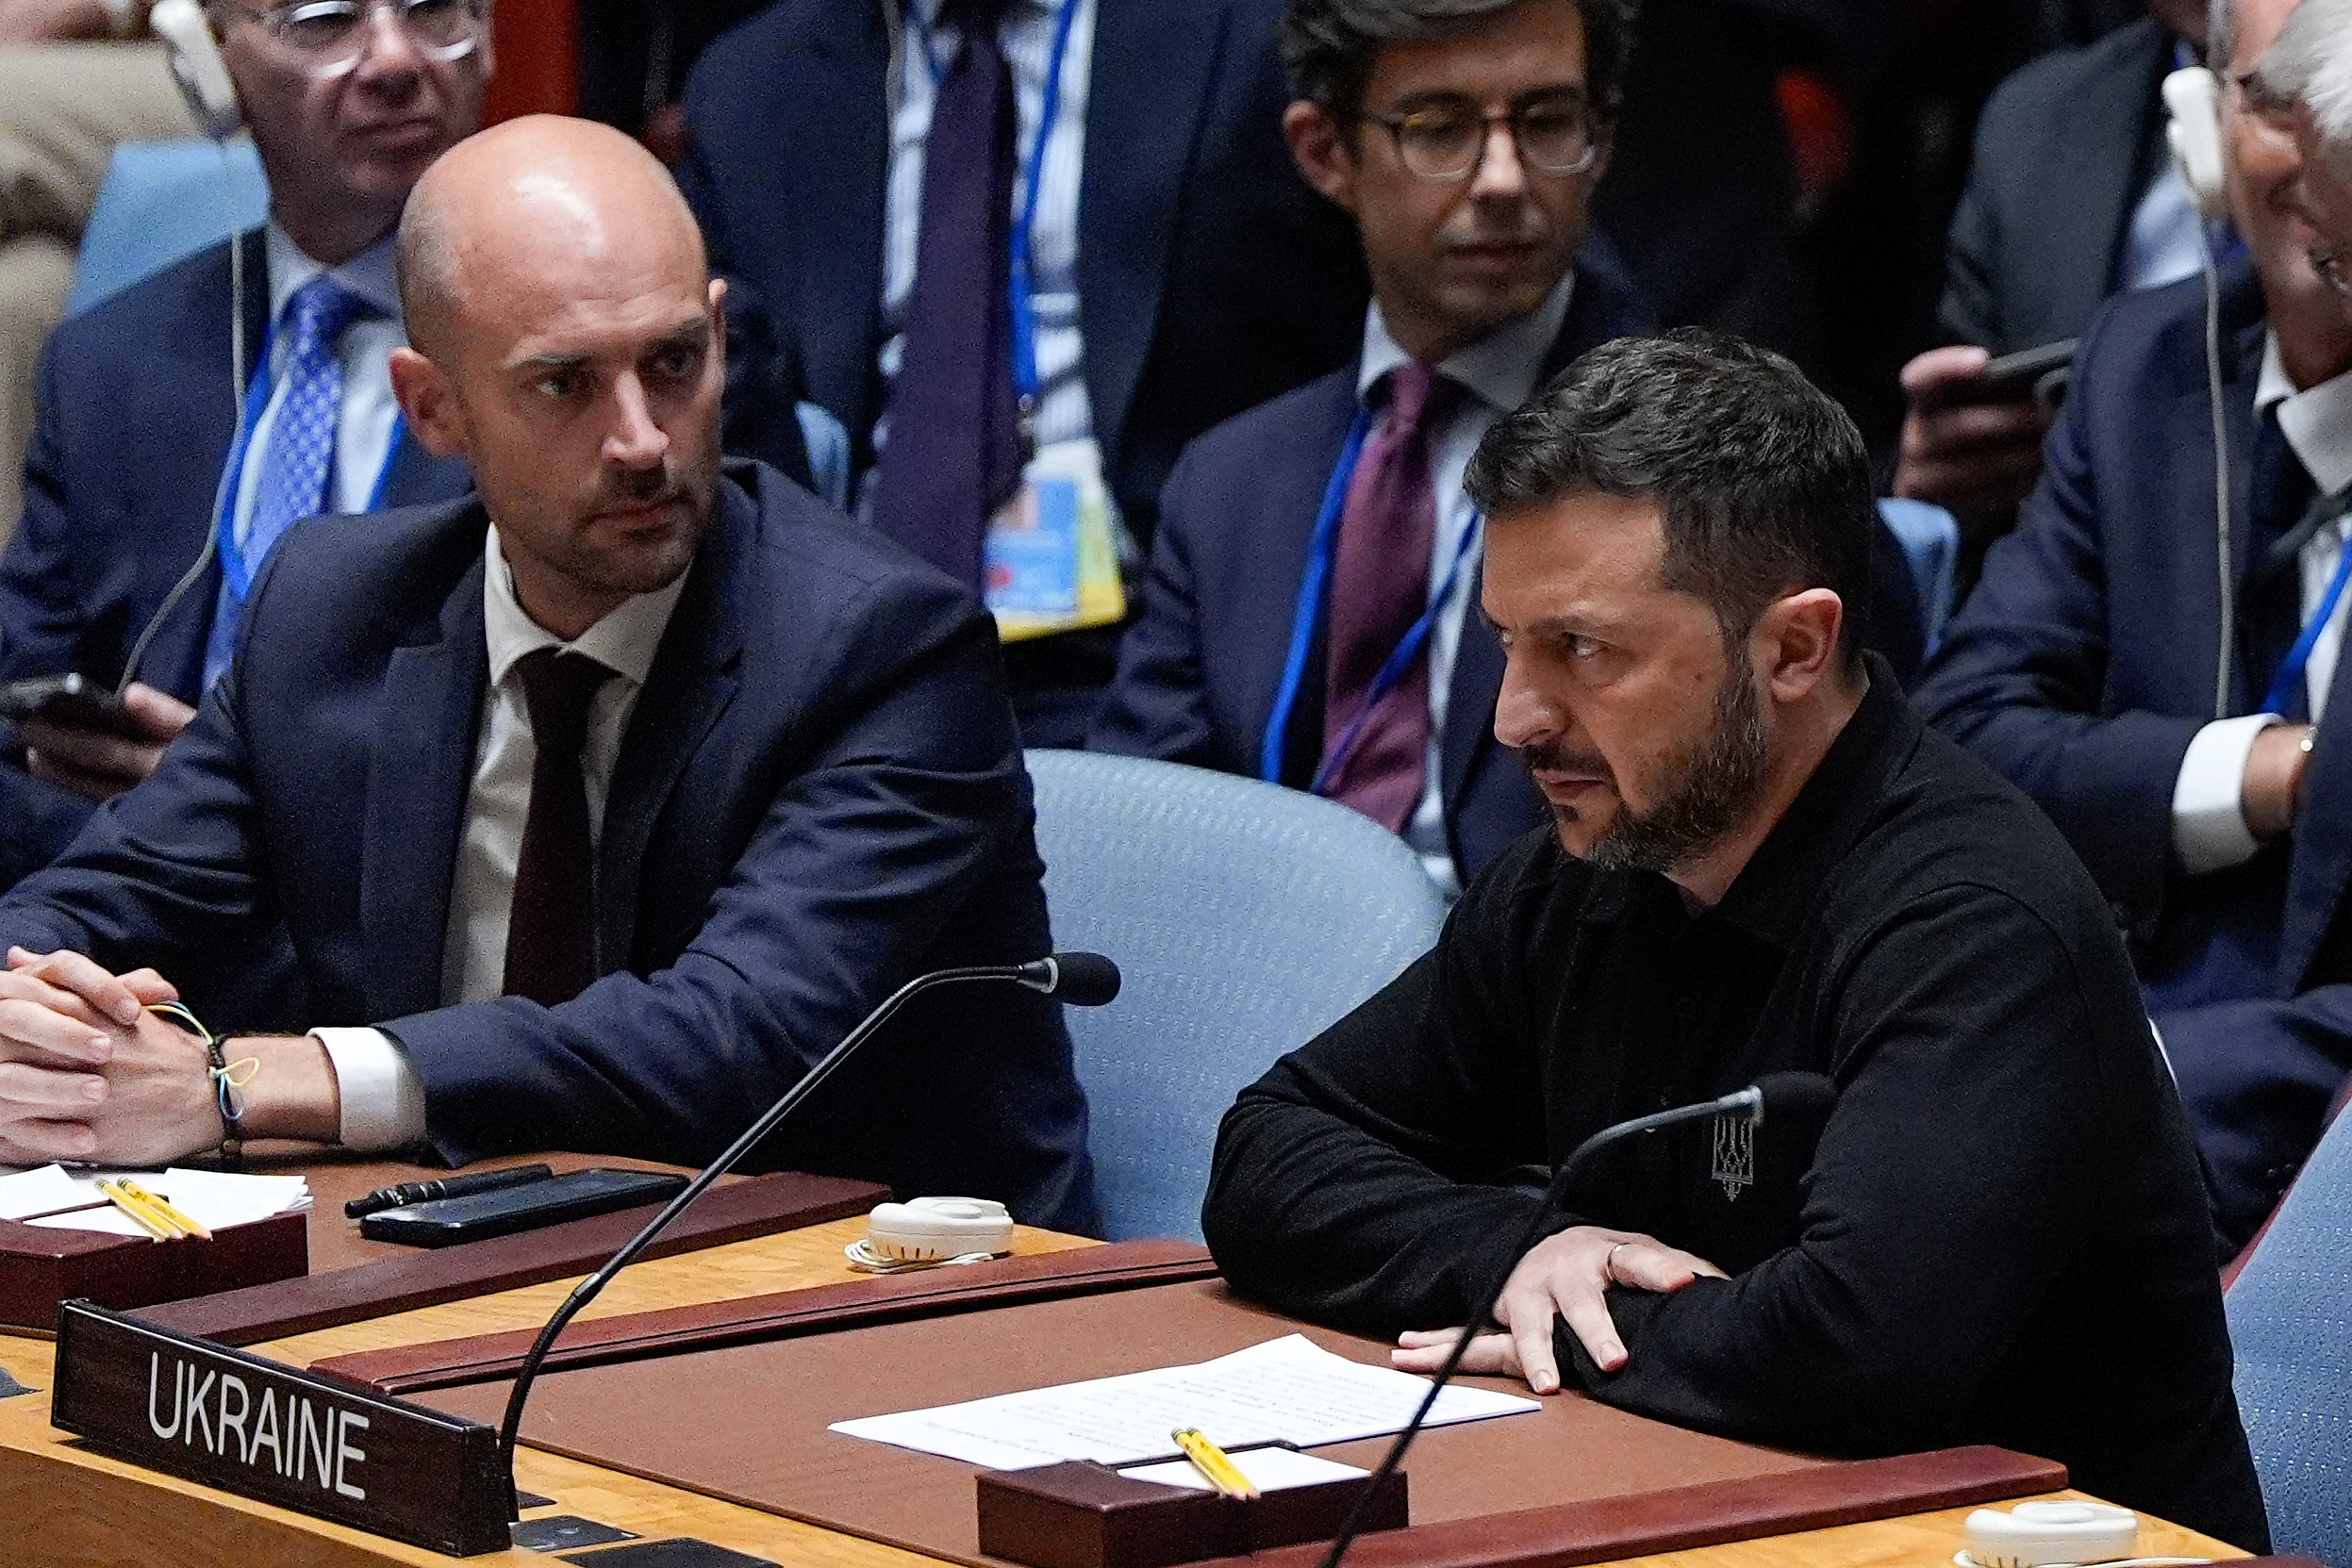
(692, 681)
(833, 129)
(2101, 180)
(2319, 871)
(1270, 561)
(420, 770)
(184, 474)
(1153, 65)
(2240, 370)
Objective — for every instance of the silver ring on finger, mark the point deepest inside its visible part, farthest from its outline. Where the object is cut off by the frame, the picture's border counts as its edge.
(1609, 1264)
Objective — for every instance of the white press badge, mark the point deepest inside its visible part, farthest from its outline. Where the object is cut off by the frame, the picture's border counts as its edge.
(1052, 559)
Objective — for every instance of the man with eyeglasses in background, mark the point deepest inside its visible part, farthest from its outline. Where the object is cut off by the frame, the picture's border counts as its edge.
(164, 466)
(1306, 619)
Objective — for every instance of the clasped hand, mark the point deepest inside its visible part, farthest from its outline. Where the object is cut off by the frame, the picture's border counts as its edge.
(87, 1073)
(1564, 1277)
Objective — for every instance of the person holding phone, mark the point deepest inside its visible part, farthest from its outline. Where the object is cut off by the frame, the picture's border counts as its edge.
(2182, 723)
(161, 472)
(2071, 198)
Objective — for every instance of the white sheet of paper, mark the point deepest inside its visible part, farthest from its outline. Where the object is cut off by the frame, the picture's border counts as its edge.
(214, 1199)
(1268, 1469)
(1287, 1389)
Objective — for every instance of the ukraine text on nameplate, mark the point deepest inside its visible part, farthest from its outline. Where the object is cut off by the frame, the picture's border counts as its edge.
(211, 1414)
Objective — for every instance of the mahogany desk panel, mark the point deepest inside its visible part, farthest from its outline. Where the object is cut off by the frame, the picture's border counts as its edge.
(61, 1507)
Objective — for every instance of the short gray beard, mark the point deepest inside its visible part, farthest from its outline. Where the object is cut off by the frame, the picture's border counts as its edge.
(1711, 788)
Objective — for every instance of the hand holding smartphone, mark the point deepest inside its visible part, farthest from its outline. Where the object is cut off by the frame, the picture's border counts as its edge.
(88, 738)
(70, 701)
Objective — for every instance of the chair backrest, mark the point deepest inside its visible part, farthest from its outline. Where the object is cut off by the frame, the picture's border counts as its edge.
(1244, 918)
(2291, 1323)
(161, 202)
(1930, 539)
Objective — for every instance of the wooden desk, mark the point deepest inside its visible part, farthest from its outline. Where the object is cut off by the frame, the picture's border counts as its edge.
(64, 1508)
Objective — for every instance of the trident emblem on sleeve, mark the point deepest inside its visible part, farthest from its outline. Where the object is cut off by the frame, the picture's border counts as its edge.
(1735, 1154)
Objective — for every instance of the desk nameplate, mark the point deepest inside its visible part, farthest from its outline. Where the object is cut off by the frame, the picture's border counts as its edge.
(323, 1447)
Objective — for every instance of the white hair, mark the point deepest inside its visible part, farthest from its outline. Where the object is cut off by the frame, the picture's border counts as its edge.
(2312, 64)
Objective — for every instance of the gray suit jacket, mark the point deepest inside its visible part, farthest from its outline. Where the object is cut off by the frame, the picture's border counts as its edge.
(2065, 150)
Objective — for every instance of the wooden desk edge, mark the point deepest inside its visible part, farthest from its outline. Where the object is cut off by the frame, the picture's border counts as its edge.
(69, 1505)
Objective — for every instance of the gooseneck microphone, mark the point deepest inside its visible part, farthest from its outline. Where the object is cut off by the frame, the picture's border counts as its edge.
(1079, 980)
(1781, 1094)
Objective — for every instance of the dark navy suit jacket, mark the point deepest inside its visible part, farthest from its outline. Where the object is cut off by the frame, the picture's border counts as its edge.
(1210, 276)
(2083, 665)
(1199, 673)
(135, 412)
(819, 796)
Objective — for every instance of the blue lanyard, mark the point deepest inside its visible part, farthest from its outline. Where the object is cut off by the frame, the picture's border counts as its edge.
(1322, 548)
(1026, 382)
(2291, 670)
(236, 572)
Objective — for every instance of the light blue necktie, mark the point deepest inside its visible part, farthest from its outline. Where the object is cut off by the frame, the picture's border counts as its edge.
(301, 455)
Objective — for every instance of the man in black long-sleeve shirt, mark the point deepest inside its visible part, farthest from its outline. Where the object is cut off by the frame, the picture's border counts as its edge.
(1762, 863)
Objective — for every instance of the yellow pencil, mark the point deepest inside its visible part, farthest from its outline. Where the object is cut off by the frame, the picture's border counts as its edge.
(1214, 1462)
(158, 1227)
(163, 1206)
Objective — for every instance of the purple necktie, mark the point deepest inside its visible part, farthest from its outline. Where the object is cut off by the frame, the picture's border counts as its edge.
(1380, 587)
(952, 453)
(551, 924)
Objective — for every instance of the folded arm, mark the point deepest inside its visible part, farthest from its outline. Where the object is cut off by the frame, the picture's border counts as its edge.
(1368, 1180)
(1956, 1177)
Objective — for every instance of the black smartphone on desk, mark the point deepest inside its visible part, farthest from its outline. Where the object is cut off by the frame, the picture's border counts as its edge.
(577, 1195)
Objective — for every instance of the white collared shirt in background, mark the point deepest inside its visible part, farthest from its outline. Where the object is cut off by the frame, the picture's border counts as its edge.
(2208, 808)
(1501, 372)
(383, 1100)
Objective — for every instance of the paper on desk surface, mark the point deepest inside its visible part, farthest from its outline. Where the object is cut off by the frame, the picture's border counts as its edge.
(214, 1199)
(1288, 1390)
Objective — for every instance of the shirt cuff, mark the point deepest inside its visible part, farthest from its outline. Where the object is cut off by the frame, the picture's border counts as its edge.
(2209, 829)
(383, 1099)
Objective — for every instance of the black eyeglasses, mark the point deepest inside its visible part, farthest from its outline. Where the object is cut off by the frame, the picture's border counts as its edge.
(1447, 140)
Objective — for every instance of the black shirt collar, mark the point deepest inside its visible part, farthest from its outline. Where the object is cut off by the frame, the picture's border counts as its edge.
(1777, 891)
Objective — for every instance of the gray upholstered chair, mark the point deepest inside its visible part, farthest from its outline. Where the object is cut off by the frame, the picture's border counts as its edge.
(1245, 917)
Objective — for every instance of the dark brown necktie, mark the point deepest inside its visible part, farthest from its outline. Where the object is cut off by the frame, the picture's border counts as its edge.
(550, 928)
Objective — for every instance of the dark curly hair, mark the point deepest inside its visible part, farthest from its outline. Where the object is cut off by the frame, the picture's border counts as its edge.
(1762, 480)
(1329, 45)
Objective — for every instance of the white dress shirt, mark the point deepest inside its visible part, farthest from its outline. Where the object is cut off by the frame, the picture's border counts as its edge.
(1026, 37)
(1501, 372)
(2209, 815)
(363, 430)
(383, 1101)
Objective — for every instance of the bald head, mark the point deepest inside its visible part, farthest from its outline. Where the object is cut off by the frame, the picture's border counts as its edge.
(529, 213)
(567, 340)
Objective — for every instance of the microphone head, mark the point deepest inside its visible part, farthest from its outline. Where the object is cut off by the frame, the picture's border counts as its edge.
(1083, 979)
(1804, 1096)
